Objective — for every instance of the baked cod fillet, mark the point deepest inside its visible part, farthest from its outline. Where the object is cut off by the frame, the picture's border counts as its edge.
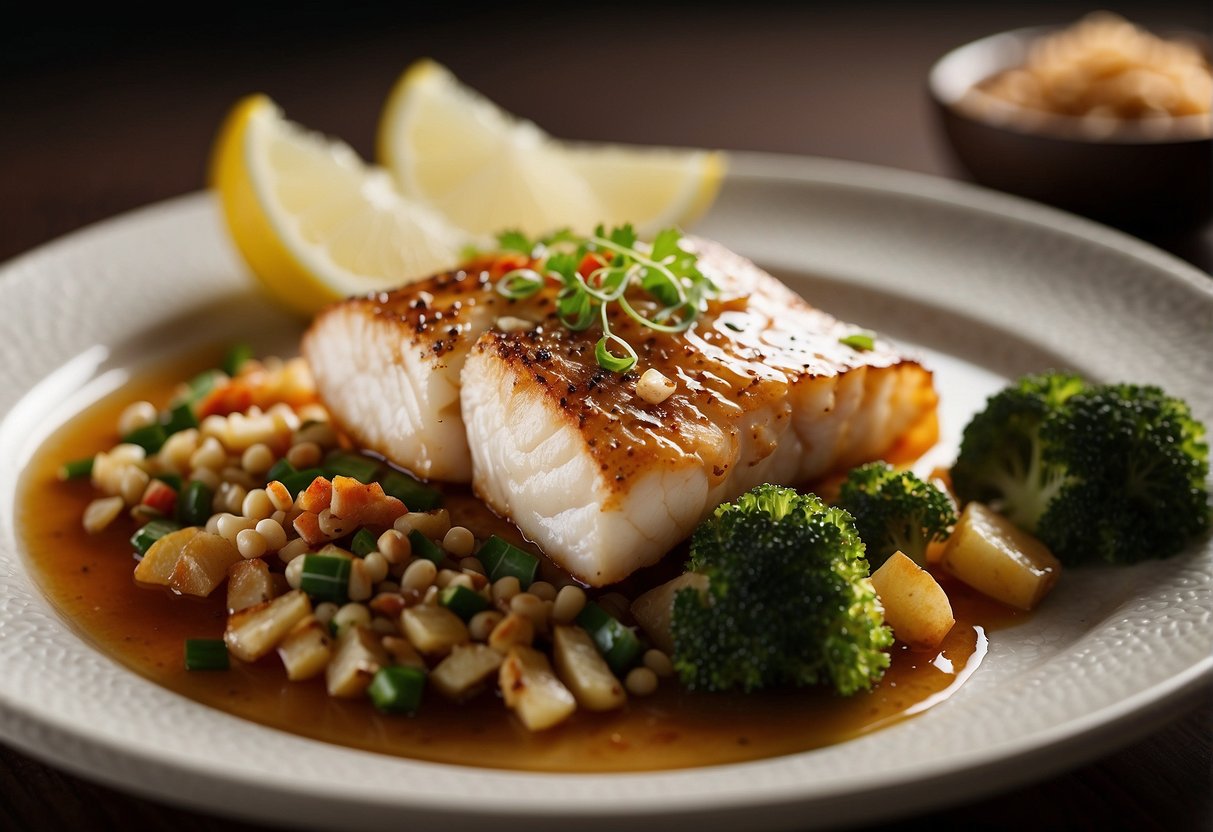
(453, 381)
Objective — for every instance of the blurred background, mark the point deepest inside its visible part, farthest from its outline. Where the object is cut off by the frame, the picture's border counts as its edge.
(105, 109)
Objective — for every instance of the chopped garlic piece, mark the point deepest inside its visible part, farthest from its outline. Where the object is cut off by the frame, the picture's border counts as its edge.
(654, 387)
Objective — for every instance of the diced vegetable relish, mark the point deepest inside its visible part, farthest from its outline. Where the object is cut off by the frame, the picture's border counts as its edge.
(343, 566)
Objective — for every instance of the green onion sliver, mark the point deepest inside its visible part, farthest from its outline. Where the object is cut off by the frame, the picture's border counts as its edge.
(195, 503)
(364, 543)
(198, 388)
(423, 547)
(235, 357)
(206, 654)
(76, 469)
(149, 437)
(397, 689)
(501, 559)
(618, 644)
(173, 481)
(326, 578)
(462, 601)
(280, 470)
(178, 418)
(143, 539)
(410, 492)
(346, 464)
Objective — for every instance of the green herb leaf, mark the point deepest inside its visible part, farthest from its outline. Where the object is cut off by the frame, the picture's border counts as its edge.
(608, 361)
(513, 240)
(861, 341)
(665, 272)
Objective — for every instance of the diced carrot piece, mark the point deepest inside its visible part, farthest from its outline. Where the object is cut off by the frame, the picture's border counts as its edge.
(160, 496)
(308, 527)
(383, 512)
(316, 497)
(280, 495)
(233, 397)
(366, 505)
(350, 497)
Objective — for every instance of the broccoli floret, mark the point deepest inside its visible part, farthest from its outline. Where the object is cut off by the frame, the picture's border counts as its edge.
(895, 511)
(788, 602)
(1002, 459)
(1114, 473)
(1136, 464)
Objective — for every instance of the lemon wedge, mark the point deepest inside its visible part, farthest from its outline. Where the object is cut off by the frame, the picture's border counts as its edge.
(314, 222)
(487, 170)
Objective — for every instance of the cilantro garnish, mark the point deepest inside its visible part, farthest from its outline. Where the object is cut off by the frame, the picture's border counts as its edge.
(597, 271)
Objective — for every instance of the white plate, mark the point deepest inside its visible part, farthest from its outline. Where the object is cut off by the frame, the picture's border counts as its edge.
(985, 285)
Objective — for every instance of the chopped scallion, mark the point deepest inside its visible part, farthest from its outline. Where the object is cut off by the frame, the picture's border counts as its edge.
(364, 543)
(501, 559)
(173, 481)
(279, 470)
(326, 578)
(397, 689)
(423, 547)
(194, 503)
(410, 492)
(76, 469)
(618, 644)
(178, 418)
(143, 539)
(206, 654)
(235, 357)
(347, 464)
(149, 437)
(462, 601)
(198, 388)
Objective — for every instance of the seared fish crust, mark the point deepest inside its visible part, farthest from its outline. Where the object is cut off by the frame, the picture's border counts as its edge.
(603, 481)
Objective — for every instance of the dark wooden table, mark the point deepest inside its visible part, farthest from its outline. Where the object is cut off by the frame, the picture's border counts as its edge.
(105, 112)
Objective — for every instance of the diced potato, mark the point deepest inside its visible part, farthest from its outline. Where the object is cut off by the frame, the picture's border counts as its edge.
(306, 650)
(161, 557)
(582, 668)
(915, 605)
(533, 691)
(433, 630)
(203, 564)
(254, 632)
(358, 658)
(248, 583)
(512, 630)
(462, 674)
(997, 558)
(652, 610)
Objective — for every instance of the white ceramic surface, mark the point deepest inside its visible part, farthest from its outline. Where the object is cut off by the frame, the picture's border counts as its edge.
(984, 286)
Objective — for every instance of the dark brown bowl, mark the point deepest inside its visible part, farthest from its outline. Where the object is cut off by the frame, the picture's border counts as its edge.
(1129, 179)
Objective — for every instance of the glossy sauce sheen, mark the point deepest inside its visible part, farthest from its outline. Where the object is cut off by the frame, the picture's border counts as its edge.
(89, 580)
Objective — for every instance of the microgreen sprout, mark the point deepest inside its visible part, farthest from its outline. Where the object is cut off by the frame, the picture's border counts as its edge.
(597, 271)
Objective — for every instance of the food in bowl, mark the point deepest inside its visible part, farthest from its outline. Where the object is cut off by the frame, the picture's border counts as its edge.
(1104, 76)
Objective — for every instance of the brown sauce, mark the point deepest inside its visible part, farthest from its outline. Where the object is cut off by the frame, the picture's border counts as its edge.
(88, 578)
